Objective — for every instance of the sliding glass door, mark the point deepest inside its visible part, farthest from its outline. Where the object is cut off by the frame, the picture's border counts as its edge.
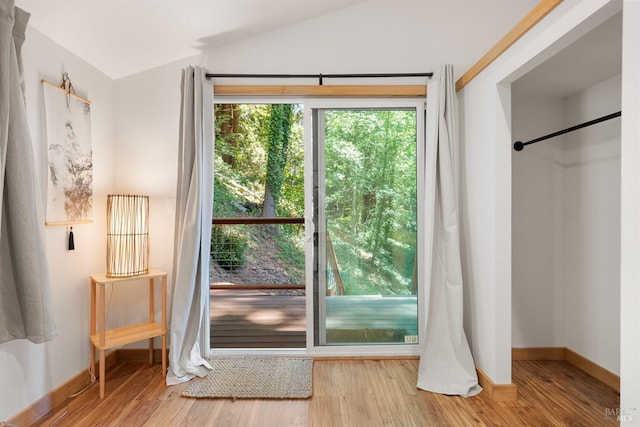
(354, 225)
(366, 222)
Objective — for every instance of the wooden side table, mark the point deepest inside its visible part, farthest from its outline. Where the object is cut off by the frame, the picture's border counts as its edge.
(103, 339)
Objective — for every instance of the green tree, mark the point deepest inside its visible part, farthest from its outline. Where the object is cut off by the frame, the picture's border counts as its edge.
(370, 160)
(227, 130)
(277, 148)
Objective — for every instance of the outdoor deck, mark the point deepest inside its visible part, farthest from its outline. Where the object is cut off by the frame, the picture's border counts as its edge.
(256, 319)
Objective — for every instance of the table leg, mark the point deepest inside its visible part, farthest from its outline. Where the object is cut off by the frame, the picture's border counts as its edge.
(102, 369)
(164, 354)
(101, 321)
(151, 316)
(164, 324)
(92, 360)
(101, 339)
(92, 329)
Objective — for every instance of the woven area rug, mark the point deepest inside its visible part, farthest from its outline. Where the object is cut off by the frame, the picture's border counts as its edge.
(255, 377)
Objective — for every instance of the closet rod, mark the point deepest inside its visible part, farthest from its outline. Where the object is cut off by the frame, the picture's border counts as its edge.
(519, 145)
(320, 76)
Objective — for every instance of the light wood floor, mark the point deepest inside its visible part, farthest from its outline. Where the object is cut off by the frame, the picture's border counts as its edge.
(349, 393)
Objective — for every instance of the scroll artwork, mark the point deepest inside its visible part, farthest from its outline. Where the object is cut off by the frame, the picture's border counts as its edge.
(70, 164)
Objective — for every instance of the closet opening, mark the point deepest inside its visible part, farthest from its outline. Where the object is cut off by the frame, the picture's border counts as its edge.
(566, 207)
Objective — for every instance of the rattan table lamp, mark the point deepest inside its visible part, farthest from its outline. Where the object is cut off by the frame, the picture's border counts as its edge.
(127, 235)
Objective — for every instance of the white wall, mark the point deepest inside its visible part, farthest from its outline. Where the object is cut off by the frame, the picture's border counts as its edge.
(486, 180)
(538, 195)
(566, 225)
(592, 227)
(146, 148)
(630, 216)
(29, 371)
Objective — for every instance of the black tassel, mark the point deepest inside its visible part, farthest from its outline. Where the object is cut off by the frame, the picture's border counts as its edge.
(71, 245)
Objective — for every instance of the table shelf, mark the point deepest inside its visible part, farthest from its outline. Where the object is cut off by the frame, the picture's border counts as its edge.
(127, 334)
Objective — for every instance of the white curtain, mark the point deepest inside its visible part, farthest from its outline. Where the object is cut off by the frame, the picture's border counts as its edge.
(446, 364)
(194, 201)
(25, 302)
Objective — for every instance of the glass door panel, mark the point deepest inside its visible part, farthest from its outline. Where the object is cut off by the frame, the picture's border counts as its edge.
(366, 198)
(257, 286)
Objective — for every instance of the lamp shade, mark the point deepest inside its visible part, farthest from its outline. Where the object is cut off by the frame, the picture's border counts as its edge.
(127, 235)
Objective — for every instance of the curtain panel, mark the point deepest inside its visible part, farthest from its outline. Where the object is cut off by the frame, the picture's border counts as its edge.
(194, 202)
(25, 301)
(446, 365)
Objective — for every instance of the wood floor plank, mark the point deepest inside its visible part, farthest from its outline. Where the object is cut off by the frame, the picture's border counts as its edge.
(349, 393)
(88, 408)
(141, 408)
(575, 393)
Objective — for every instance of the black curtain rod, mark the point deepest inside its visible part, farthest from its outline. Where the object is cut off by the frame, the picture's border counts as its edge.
(320, 76)
(519, 145)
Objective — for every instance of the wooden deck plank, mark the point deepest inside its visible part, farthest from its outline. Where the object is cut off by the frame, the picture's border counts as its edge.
(243, 318)
(253, 318)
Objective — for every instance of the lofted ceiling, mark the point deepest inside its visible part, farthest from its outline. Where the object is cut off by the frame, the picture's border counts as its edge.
(124, 37)
(593, 58)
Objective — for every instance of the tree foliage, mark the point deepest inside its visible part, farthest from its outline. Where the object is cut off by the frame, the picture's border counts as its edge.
(245, 179)
(370, 163)
(371, 178)
(277, 148)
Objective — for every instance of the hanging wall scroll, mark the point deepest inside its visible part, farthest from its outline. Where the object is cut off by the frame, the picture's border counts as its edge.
(70, 164)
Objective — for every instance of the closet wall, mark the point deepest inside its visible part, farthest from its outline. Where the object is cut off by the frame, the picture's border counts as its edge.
(538, 214)
(566, 203)
(592, 227)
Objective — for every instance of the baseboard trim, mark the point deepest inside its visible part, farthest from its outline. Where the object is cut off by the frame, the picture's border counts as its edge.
(56, 398)
(538, 353)
(563, 353)
(497, 392)
(593, 369)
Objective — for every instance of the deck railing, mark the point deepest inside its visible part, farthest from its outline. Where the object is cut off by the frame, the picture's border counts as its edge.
(334, 280)
(234, 267)
(257, 253)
